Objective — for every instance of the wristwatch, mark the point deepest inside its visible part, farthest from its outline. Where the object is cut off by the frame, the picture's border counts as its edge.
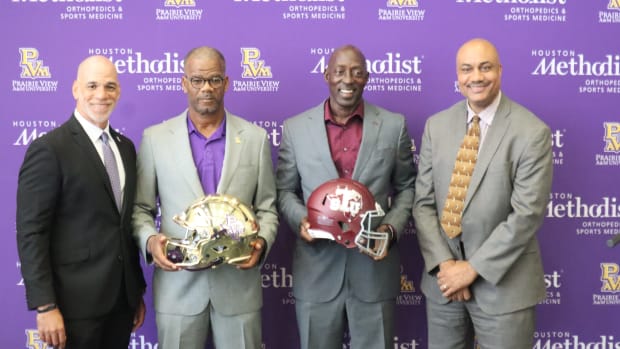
(47, 308)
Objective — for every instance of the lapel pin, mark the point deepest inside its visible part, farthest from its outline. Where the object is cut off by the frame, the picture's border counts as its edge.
(237, 140)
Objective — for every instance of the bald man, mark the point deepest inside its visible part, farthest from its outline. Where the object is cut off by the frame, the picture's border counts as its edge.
(486, 277)
(79, 262)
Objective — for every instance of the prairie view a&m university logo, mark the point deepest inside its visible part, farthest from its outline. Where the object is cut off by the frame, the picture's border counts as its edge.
(34, 74)
(402, 3)
(409, 295)
(32, 67)
(610, 277)
(253, 67)
(401, 10)
(178, 10)
(33, 340)
(256, 75)
(179, 3)
(611, 15)
(612, 136)
(611, 151)
(610, 285)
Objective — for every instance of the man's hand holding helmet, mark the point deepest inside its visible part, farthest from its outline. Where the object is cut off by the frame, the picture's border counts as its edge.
(156, 245)
(258, 248)
(345, 211)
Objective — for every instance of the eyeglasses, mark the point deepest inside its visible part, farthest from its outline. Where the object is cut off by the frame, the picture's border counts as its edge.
(198, 83)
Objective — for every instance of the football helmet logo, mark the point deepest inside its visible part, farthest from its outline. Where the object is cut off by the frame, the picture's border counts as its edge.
(219, 230)
(345, 211)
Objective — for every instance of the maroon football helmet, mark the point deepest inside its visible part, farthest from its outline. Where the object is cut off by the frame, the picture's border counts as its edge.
(345, 211)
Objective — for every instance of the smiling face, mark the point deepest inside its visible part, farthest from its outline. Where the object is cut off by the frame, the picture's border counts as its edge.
(479, 73)
(346, 76)
(96, 90)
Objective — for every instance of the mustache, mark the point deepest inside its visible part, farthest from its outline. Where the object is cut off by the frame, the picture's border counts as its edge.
(478, 84)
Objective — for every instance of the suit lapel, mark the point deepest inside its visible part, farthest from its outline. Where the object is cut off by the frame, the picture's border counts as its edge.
(370, 132)
(235, 145)
(182, 153)
(126, 158)
(91, 155)
(492, 140)
(317, 134)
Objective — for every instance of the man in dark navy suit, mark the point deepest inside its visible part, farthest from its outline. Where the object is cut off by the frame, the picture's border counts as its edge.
(79, 261)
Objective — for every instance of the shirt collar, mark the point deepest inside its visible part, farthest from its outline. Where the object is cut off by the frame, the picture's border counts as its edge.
(220, 132)
(488, 113)
(329, 117)
(93, 132)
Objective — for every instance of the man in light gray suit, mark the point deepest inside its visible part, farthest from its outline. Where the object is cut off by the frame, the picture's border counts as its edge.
(345, 137)
(204, 150)
(487, 280)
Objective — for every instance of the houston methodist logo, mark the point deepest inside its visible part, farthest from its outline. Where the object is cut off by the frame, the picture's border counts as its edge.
(32, 66)
(610, 278)
(253, 67)
(404, 3)
(612, 136)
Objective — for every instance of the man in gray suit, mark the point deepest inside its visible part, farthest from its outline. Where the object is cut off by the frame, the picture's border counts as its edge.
(202, 151)
(345, 137)
(487, 280)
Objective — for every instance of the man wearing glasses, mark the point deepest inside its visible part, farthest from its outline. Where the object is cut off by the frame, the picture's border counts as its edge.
(204, 150)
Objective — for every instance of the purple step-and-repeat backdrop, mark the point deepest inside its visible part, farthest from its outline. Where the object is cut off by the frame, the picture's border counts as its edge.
(561, 59)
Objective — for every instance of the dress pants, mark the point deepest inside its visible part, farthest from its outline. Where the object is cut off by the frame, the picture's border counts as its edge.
(322, 325)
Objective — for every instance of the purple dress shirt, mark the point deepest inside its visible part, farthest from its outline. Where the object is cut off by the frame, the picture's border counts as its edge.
(208, 154)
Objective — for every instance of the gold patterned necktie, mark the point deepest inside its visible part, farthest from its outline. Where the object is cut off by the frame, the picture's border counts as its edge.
(459, 182)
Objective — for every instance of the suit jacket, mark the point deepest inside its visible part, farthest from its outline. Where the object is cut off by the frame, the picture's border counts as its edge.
(166, 170)
(384, 164)
(504, 206)
(75, 248)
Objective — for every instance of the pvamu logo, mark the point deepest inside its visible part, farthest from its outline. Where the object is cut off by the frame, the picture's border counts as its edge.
(32, 66)
(33, 341)
(613, 5)
(405, 3)
(253, 67)
(612, 136)
(180, 3)
(610, 278)
(406, 285)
